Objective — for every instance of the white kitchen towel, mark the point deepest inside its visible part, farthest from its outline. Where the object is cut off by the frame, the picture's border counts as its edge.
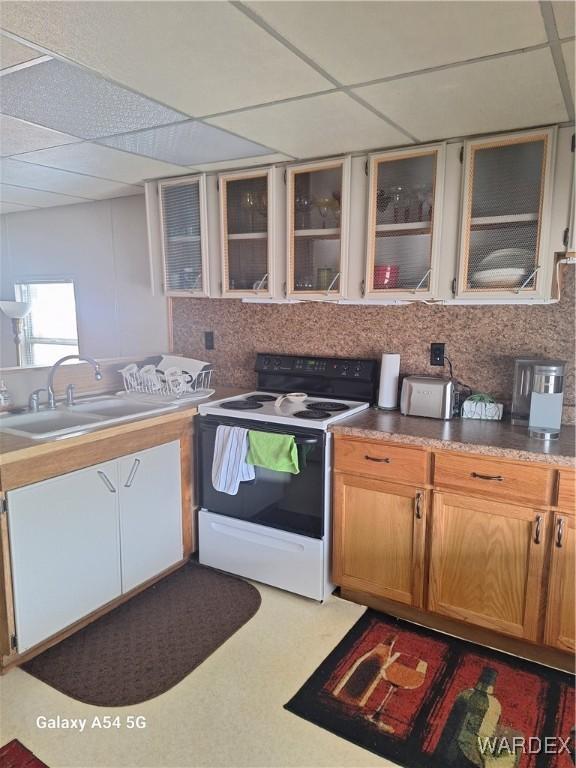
(229, 467)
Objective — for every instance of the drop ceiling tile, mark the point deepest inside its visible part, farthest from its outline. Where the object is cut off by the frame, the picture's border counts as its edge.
(321, 125)
(69, 99)
(564, 12)
(103, 162)
(500, 94)
(186, 143)
(13, 53)
(198, 57)
(395, 37)
(14, 207)
(245, 162)
(18, 136)
(25, 196)
(569, 51)
(13, 171)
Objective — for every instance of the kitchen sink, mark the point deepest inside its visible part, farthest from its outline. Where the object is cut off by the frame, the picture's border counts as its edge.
(85, 415)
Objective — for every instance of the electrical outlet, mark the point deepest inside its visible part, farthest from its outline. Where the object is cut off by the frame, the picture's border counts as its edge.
(209, 339)
(437, 354)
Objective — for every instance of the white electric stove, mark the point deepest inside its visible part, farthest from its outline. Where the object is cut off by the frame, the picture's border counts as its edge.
(276, 529)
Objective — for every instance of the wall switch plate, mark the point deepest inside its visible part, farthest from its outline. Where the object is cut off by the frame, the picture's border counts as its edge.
(437, 354)
(209, 339)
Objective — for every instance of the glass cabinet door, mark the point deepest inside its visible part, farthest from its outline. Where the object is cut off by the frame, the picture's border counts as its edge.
(317, 229)
(245, 236)
(505, 194)
(402, 215)
(183, 222)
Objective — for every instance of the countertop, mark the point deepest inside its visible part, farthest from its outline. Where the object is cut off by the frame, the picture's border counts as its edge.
(15, 447)
(490, 438)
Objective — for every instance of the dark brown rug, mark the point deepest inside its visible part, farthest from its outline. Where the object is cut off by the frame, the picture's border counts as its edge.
(427, 700)
(147, 645)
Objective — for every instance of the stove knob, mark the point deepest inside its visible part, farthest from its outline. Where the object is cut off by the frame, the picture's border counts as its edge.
(266, 362)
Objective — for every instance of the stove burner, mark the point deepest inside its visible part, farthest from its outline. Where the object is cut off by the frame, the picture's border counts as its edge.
(327, 406)
(261, 398)
(314, 414)
(241, 405)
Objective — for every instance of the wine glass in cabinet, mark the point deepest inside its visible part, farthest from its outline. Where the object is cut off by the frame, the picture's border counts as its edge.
(318, 215)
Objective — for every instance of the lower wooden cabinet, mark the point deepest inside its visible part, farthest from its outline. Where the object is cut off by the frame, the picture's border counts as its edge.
(379, 537)
(486, 563)
(560, 616)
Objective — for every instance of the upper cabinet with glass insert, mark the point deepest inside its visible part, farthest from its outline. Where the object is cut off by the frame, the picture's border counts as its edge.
(505, 219)
(404, 201)
(183, 223)
(318, 214)
(246, 233)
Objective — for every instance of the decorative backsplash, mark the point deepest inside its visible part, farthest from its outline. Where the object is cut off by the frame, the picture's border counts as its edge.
(481, 341)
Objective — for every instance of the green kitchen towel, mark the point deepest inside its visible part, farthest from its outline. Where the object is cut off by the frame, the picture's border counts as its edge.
(273, 451)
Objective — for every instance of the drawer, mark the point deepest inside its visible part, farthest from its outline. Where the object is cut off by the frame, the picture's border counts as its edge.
(494, 478)
(382, 460)
(567, 490)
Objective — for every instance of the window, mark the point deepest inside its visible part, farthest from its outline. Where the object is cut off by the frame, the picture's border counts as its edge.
(50, 330)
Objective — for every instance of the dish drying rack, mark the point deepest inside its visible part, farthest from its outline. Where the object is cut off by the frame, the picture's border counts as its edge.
(160, 386)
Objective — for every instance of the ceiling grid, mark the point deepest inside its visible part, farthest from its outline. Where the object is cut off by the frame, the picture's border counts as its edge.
(279, 81)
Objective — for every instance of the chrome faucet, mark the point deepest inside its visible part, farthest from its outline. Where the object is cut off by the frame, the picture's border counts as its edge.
(80, 358)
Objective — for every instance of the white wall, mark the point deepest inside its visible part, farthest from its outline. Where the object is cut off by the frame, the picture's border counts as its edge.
(103, 247)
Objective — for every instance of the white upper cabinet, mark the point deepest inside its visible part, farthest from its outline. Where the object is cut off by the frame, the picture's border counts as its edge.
(247, 233)
(184, 242)
(318, 208)
(505, 246)
(405, 195)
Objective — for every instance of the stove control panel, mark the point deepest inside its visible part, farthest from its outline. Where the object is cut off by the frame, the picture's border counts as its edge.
(329, 367)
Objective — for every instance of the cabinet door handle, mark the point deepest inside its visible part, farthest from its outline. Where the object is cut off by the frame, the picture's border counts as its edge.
(538, 531)
(560, 532)
(132, 473)
(106, 480)
(418, 505)
(478, 476)
(375, 458)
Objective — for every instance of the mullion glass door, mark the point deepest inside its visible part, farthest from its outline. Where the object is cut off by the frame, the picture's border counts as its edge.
(502, 219)
(401, 222)
(182, 236)
(315, 230)
(245, 236)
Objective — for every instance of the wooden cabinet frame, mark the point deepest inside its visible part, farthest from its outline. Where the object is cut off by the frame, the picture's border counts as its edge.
(544, 264)
(291, 172)
(271, 277)
(182, 181)
(374, 162)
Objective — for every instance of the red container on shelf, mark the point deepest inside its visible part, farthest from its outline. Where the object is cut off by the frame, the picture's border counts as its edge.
(386, 276)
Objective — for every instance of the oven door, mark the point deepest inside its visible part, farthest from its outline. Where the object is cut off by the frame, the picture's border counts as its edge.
(293, 503)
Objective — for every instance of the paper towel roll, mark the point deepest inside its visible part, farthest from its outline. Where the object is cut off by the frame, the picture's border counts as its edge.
(389, 372)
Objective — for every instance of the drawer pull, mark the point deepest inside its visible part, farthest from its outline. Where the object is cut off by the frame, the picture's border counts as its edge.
(418, 505)
(560, 532)
(478, 476)
(538, 531)
(375, 458)
(106, 480)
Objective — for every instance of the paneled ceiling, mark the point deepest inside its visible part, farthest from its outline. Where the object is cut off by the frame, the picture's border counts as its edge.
(98, 96)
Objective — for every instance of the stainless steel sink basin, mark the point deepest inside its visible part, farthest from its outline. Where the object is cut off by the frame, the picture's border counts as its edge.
(85, 415)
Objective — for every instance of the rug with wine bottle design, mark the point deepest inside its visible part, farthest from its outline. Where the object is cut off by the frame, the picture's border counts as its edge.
(426, 700)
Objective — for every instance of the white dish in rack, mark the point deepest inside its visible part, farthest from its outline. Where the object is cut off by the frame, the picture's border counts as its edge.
(510, 277)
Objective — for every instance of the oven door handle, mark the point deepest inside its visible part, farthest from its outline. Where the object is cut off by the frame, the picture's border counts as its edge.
(308, 441)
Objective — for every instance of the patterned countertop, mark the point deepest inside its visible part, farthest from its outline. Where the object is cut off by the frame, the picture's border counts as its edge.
(490, 438)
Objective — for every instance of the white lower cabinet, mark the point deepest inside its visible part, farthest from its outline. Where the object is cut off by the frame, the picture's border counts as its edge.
(82, 539)
(150, 513)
